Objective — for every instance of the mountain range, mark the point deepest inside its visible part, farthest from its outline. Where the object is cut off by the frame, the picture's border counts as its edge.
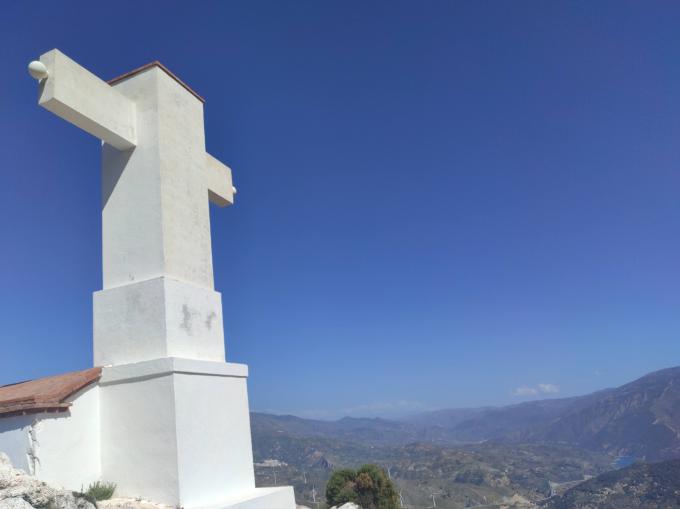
(520, 455)
(640, 419)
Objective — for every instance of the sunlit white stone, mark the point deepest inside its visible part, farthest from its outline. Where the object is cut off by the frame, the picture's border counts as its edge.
(37, 70)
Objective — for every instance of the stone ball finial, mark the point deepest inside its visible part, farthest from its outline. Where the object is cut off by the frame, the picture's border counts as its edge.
(37, 70)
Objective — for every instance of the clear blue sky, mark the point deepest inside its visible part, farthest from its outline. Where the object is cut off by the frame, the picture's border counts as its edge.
(440, 203)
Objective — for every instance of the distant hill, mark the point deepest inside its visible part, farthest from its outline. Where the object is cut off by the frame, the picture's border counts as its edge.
(493, 423)
(462, 476)
(640, 486)
(640, 419)
(366, 431)
(506, 455)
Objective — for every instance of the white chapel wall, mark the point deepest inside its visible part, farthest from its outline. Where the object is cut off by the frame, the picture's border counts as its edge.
(59, 448)
(14, 439)
(68, 447)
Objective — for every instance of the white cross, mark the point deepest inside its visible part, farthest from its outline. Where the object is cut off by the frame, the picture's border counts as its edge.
(157, 181)
(152, 131)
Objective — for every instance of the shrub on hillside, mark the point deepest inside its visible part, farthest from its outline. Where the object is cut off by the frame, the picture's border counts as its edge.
(100, 490)
(369, 487)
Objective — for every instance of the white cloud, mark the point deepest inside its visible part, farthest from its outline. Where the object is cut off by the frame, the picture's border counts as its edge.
(525, 390)
(548, 388)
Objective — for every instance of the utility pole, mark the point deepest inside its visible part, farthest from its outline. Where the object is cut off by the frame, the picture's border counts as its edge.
(314, 496)
(434, 501)
(401, 500)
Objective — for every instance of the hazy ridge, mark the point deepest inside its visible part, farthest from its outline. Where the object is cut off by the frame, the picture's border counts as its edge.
(520, 454)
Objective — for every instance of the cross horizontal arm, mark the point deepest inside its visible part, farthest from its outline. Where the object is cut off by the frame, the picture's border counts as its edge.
(218, 178)
(79, 97)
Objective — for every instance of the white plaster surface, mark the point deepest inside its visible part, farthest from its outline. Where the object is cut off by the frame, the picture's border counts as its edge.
(281, 497)
(221, 189)
(189, 442)
(60, 448)
(79, 97)
(161, 317)
(175, 431)
(68, 444)
(138, 436)
(213, 438)
(15, 439)
(169, 365)
(171, 165)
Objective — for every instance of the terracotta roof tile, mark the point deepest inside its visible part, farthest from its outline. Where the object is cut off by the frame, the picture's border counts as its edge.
(48, 393)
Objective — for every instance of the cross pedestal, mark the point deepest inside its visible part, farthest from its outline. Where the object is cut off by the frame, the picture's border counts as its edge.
(178, 431)
(173, 416)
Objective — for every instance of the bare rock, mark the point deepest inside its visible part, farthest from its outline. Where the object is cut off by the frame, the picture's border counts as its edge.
(130, 503)
(18, 490)
(14, 503)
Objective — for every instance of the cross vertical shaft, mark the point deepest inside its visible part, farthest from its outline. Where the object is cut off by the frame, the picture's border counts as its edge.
(158, 297)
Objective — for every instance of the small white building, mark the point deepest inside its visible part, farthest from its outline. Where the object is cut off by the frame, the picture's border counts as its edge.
(163, 415)
(50, 427)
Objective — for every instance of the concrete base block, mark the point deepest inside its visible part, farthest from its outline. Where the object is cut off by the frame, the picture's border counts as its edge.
(177, 431)
(260, 498)
(160, 317)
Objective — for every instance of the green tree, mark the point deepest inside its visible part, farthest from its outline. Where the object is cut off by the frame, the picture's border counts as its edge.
(369, 487)
(340, 487)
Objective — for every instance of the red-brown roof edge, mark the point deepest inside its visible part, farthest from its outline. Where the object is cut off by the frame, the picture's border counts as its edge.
(45, 394)
(155, 63)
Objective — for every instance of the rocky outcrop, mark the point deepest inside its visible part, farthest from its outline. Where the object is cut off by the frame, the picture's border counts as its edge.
(348, 505)
(19, 490)
(130, 503)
